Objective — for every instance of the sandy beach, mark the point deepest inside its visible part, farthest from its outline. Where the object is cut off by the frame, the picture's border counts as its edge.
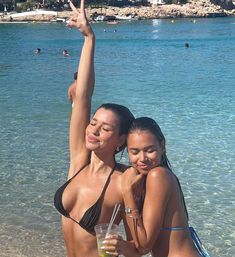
(193, 9)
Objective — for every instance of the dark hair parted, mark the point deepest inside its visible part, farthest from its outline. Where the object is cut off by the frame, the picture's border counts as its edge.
(125, 118)
(148, 124)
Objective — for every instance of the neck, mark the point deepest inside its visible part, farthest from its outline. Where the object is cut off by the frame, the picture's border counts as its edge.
(101, 165)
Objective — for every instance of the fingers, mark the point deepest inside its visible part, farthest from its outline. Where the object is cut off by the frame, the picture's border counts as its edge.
(112, 253)
(111, 245)
(72, 6)
(110, 250)
(72, 21)
(82, 6)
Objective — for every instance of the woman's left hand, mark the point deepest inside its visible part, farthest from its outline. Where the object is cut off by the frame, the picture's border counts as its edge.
(114, 245)
(79, 20)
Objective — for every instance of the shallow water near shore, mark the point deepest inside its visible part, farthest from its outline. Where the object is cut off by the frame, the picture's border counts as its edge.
(143, 65)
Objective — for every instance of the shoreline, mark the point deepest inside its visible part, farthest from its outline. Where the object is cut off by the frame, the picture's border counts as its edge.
(193, 9)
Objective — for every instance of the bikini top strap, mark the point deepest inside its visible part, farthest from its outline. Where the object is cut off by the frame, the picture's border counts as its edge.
(107, 182)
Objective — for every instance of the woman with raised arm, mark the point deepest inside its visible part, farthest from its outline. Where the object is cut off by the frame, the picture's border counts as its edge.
(155, 208)
(94, 180)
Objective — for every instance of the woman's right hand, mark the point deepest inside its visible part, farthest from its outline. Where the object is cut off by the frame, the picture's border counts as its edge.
(79, 20)
(131, 179)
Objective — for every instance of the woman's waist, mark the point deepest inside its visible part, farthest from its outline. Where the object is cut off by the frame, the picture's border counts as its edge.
(78, 239)
(79, 248)
(174, 243)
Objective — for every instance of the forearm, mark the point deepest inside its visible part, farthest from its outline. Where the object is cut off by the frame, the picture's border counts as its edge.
(82, 102)
(86, 74)
(135, 223)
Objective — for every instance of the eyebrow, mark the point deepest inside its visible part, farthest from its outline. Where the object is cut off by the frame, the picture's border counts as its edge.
(104, 123)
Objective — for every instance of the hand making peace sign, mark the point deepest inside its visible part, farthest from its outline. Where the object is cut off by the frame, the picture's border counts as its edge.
(79, 20)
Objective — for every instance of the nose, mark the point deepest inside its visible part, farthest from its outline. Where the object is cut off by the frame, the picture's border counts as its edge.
(143, 156)
(95, 130)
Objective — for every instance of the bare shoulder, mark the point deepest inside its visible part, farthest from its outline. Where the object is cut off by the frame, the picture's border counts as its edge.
(160, 181)
(160, 174)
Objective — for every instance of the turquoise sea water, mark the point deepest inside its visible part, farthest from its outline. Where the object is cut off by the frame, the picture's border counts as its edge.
(143, 65)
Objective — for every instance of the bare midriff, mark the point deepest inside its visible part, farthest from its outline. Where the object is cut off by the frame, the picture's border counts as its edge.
(175, 244)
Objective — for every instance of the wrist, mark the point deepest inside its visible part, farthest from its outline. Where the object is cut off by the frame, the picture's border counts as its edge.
(89, 35)
(132, 213)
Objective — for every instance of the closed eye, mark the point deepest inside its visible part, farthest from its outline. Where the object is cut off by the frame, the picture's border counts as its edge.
(151, 150)
(106, 129)
(134, 151)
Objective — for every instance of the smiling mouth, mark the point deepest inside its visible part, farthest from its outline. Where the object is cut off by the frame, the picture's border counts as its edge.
(144, 166)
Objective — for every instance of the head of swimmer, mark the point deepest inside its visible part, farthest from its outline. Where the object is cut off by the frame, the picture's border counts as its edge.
(146, 145)
(108, 128)
(37, 51)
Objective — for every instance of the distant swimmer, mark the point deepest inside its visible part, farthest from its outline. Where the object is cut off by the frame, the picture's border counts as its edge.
(37, 51)
(65, 53)
(186, 45)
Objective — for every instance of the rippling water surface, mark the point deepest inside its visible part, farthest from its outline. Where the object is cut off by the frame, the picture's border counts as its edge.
(143, 65)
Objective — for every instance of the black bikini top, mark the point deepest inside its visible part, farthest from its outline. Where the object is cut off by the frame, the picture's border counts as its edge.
(91, 216)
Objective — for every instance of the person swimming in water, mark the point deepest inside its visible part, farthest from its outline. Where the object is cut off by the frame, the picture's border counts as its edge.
(37, 51)
(65, 53)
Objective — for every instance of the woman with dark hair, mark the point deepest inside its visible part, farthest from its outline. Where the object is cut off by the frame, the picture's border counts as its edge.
(93, 187)
(154, 203)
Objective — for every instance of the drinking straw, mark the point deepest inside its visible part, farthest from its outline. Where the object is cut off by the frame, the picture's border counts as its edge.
(114, 214)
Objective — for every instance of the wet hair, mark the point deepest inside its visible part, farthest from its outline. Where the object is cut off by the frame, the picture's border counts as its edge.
(75, 75)
(125, 119)
(148, 124)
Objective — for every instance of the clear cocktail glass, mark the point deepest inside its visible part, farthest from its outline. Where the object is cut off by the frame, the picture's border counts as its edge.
(101, 234)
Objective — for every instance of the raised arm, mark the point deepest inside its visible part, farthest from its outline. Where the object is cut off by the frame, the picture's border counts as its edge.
(85, 85)
(145, 228)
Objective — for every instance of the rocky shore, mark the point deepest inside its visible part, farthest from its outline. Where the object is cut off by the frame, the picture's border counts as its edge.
(193, 9)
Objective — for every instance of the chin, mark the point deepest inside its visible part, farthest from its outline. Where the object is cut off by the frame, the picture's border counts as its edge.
(91, 147)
